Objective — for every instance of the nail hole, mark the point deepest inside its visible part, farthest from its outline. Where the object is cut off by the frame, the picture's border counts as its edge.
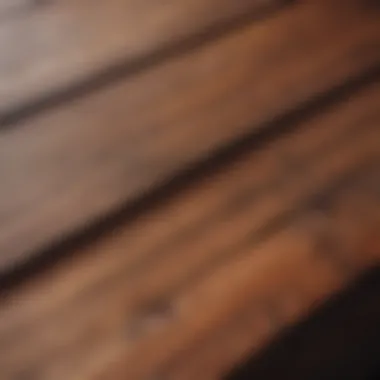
(151, 317)
(322, 205)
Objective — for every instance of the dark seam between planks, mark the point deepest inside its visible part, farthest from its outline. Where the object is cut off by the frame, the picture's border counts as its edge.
(231, 208)
(127, 68)
(261, 231)
(68, 246)
(258, 237)
(319, 200)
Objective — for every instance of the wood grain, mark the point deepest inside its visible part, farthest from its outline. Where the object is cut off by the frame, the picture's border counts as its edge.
(223, 194)
(69, 167)
(262, 275)
(50, 45)
(138, 297)
(254, 274)
(258, 322)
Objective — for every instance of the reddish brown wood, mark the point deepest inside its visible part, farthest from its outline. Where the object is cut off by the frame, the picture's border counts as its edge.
(129, 304)
(48, 46)
(73, 165)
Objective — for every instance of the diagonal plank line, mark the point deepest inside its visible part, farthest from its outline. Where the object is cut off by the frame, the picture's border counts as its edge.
(128, 68)
(70, 245)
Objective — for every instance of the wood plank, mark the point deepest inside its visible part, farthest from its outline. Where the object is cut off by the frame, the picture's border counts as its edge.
(49, 45)
(123, 298)
(288, 261)
(219, 195)
(260, 321)
(212, 301)
(106, 150)
(216, 197)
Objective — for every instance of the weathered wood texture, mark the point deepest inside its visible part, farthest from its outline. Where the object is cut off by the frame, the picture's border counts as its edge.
(155, 296)
(300, 278)
(49, 45)
(108, 148)
(271, 126)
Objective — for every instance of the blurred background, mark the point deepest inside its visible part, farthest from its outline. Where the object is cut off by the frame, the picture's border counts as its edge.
(189, 189)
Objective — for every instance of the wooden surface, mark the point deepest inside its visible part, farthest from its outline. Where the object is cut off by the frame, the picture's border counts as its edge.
(168, 219)
(47, 45)
(115, 307)
(106, 149)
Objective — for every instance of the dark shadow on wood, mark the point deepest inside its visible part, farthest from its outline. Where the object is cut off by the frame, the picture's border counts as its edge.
(217, 161)
(128, 68)
(340, 341)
